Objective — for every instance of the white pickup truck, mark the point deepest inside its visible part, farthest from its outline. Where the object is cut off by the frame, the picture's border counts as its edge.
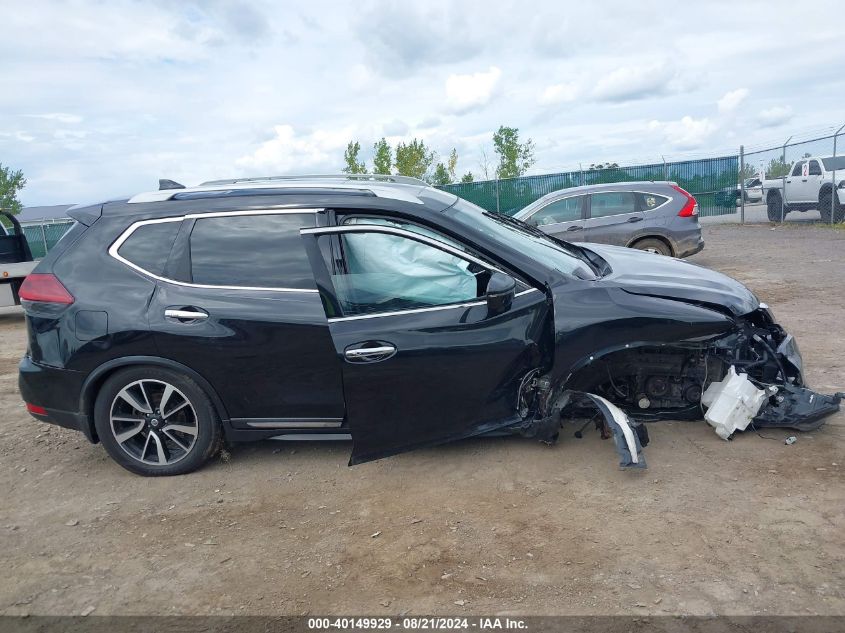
(812, 183)
(15, 261)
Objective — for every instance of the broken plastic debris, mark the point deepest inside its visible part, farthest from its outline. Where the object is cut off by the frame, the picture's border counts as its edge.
(732, 403)
(790, 440)
(626, 439)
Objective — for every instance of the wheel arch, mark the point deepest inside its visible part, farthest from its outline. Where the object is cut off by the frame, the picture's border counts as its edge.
(94, 381)
(656, 236)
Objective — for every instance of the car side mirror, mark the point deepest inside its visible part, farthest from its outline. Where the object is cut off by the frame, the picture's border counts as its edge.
(501, 290)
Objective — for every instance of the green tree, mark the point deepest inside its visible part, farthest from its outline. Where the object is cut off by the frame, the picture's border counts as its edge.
(514, 157)
(452, 165)
(777, 168)
(468, 177)
(350, 157)
(441, 175)
(747, 171)
(11, 182)
(382, 157)
(414, 159)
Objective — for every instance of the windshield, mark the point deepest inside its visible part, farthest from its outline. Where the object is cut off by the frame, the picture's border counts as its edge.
(836, 162)
(525, 238)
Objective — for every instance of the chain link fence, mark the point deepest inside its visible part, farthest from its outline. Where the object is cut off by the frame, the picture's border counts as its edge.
(44, 235)
(748, 185)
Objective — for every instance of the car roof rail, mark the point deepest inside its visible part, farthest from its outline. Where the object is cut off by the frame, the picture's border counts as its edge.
(381, 178)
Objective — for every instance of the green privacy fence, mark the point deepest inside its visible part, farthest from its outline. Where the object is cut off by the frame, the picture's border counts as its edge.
(702, 178)
(42, 237)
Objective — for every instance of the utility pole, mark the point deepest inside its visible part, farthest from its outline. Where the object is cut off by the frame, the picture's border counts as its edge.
(834, 194)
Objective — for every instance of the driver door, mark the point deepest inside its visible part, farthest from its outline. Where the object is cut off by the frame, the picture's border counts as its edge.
(423, 360)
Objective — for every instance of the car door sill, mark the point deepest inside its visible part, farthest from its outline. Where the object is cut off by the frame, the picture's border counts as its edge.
(288, 423)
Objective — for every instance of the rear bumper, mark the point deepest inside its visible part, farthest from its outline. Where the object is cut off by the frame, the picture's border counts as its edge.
(685, 250)
(57, 391)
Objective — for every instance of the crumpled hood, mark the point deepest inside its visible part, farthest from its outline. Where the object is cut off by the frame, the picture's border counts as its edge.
(643, 273)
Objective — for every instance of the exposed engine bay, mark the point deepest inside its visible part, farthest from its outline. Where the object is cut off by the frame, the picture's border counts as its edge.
(750, 377)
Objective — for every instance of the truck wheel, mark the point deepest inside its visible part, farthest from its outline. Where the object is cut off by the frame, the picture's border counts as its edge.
(825, 201)
(773, 209)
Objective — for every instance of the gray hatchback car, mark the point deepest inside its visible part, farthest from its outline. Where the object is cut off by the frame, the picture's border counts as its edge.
(659, 217)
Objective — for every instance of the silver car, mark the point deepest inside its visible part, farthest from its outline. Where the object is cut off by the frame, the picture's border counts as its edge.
(659, 217)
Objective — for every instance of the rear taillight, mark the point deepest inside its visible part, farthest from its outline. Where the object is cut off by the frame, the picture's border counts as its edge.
(45, 288)
(35, 409)
(690, 208)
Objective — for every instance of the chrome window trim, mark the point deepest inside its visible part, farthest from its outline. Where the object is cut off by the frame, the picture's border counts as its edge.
(451, 306)
(115, 247)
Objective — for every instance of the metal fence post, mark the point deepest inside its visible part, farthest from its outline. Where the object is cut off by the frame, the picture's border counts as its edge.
(665, 169)
(44, 238)
(497, 195)
(834, 196)
(783, 180)
(742, 184)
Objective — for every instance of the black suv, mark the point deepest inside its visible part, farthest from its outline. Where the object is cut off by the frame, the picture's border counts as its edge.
(372, 307)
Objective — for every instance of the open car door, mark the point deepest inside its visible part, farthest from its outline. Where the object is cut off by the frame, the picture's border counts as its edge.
(433, 340)
(13, 247)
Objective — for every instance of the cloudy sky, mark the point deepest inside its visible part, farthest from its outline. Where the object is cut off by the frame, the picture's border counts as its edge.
(102, 98)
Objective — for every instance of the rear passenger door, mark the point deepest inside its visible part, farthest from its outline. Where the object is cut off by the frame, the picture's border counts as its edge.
(563, 218)
(237, 303)
(613, 217)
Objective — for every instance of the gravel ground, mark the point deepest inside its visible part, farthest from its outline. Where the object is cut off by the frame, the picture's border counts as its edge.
(750, 526)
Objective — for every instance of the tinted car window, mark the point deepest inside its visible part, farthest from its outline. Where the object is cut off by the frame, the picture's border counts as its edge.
(261, 251)
(652, 201)
(384, 273)
(796, 171)
(565, 210)
(149, 245)
(612, 203)
(815, 169)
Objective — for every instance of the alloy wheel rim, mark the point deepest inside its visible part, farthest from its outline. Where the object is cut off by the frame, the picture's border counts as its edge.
(153, 422)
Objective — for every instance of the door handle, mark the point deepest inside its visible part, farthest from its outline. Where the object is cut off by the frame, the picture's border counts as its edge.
(635, 219)
(575, 228)
(369, 352)
(185, 314)
(788, 181)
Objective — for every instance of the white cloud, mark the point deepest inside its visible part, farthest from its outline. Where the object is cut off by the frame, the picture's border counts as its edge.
(731, 100)
(466, 92)
(777, 115)
(288, 151)
(558, 93)
(59, 117)
(628, 83)
(687, 133)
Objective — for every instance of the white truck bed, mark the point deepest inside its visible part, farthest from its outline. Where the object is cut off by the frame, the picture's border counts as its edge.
(8, 274)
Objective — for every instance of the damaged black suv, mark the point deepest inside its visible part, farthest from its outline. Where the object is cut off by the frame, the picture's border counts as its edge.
(385, 310)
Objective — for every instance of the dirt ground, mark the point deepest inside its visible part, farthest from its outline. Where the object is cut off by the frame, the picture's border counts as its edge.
(505, 526)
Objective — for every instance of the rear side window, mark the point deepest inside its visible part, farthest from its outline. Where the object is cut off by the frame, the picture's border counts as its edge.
(255, 251)
(652, 201)
(612, 203)
(149, 245)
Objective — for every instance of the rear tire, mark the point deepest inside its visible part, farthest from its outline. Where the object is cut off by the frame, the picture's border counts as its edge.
(652, 245)
(773, 209)
(156, 422)
(825, 201)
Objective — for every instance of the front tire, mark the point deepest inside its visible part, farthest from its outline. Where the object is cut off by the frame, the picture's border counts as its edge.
(655, 246)
(156, 422)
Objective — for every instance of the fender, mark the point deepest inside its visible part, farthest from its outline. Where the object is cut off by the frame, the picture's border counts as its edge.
(91, 385)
